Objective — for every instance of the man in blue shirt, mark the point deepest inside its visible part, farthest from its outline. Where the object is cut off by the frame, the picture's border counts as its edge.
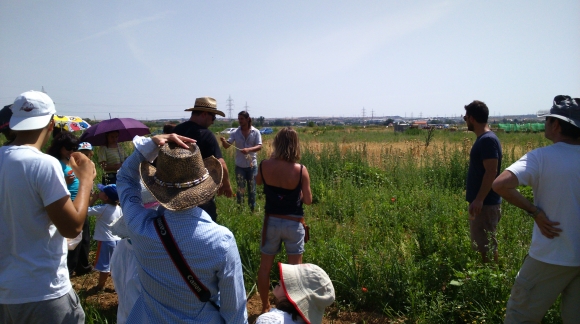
(484, 166)
(247, 140)
(180, 182)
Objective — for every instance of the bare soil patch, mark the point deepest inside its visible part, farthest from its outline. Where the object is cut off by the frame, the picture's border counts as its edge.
(106, 302)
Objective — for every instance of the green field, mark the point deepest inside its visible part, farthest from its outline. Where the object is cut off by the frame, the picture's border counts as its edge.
(394, 235)
(389, 224)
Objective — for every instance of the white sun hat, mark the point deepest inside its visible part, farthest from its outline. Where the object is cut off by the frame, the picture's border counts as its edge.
(308, 288)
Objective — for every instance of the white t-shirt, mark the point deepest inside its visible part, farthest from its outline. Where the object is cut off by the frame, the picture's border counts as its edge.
(107, 215)
(553, 173)
(276, 316)
(33, 254)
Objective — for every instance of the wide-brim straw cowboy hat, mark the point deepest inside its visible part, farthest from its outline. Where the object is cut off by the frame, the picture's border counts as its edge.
(182, 179)
(207, 104)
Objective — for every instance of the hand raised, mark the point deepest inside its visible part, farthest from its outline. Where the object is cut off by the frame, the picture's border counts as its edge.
(83, 167)
(182, 141)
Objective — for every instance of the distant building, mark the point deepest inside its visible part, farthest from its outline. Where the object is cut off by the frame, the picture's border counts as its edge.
(420, 124)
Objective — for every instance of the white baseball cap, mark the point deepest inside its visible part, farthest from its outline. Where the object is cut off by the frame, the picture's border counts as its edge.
(31, 110)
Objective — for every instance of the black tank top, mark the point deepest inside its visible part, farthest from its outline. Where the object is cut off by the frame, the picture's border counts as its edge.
(283, 201)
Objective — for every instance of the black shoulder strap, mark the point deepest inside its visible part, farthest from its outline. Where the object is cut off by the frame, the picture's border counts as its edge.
(188, 276)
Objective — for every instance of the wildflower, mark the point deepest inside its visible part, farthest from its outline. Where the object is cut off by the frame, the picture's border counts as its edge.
(393, 199)
(364, 289)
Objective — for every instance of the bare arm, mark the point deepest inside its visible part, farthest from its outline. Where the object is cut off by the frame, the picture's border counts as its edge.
(225, 143)
(69, 216)
(506, 186)
(226, 188)
(251, 149)
(490, 166)
(306, 192)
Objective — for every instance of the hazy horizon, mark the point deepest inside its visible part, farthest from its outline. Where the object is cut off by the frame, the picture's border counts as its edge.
(150, 60)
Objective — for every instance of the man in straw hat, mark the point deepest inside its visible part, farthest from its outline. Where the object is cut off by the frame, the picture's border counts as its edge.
(36, 215)
(180, 182)
(203, 114)
(552, 266)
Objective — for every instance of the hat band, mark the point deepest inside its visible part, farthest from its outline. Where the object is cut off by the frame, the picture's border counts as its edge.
(187, 184)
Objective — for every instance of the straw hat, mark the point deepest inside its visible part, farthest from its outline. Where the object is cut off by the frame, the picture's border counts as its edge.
(182, 179)
(308, 288)
(207, 104)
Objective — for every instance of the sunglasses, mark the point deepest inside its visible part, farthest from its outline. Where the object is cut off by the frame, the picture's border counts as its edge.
(71, 148)
(213, 116)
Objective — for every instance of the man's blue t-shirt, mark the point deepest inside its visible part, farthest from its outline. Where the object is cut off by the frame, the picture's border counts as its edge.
(486, 146)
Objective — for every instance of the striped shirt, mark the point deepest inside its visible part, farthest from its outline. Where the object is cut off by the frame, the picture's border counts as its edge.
(209, 249)
(111, 155)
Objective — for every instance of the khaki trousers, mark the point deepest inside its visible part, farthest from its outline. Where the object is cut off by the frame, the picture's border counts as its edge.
(537, 286)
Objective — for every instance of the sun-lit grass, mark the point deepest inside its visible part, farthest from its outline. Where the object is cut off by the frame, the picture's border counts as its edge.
(389, 225)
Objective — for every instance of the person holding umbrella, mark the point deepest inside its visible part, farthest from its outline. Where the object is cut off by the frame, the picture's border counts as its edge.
(107, 135)
(111, 157)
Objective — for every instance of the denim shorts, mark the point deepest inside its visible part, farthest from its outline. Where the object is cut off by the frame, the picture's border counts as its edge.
(287, 231)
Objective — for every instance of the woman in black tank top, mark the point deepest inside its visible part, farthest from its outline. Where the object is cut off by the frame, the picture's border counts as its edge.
(287, 188)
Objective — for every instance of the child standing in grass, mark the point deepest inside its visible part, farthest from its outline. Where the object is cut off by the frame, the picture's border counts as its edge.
(106, 214)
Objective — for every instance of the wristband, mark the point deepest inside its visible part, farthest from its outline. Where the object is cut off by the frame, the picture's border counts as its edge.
(535, 213)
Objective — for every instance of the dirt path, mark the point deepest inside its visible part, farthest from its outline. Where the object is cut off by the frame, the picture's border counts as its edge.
(107, 301)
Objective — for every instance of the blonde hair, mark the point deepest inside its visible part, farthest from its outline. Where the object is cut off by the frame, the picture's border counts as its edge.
(286, 145)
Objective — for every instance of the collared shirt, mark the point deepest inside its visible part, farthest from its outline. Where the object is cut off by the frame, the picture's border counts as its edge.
(240, 141)
(209, 249)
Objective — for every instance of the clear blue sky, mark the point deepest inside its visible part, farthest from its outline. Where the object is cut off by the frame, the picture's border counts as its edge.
(151, 59)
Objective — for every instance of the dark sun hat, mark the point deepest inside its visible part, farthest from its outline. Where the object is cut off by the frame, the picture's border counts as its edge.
(566, 109)
(182, 179)
(207, 104)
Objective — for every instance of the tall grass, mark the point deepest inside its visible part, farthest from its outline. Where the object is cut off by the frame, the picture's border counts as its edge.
(393, 235)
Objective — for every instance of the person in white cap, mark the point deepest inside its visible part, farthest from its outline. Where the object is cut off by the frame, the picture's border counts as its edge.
(552, 266)
(36, 215)
(303, 293)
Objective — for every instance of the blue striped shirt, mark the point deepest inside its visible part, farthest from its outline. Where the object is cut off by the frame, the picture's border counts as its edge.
(209, 249)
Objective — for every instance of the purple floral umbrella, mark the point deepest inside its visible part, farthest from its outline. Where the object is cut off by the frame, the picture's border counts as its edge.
(127, 128)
